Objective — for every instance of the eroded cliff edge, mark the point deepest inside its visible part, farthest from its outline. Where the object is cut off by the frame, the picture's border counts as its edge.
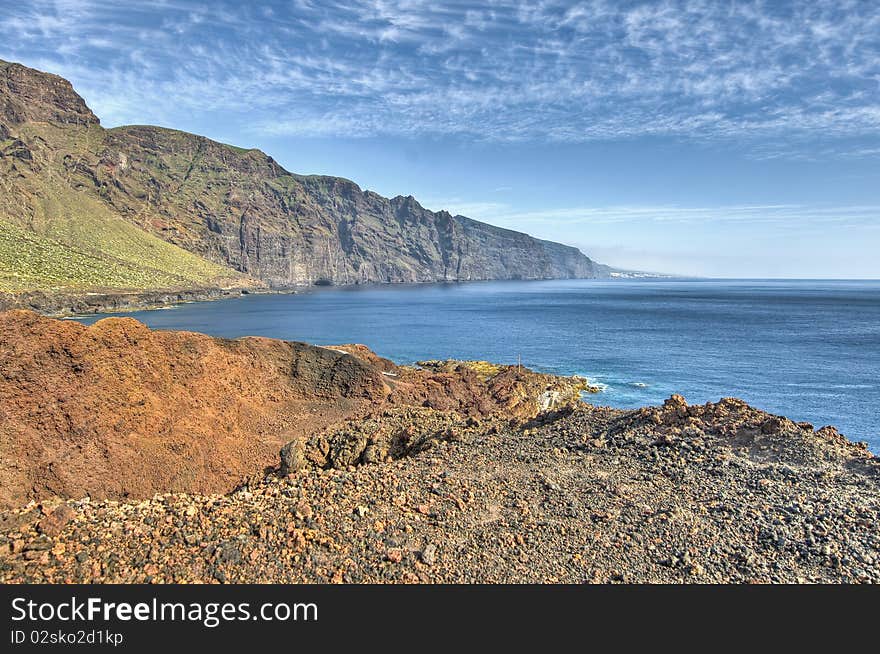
(139, 208)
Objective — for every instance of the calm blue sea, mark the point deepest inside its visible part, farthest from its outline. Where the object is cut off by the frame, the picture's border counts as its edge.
(807, 349)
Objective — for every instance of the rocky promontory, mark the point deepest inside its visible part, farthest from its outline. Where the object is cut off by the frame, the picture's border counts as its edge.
(116, 410)
(139, 456)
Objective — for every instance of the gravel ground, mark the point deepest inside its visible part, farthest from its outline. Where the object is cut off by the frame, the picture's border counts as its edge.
(701, 494)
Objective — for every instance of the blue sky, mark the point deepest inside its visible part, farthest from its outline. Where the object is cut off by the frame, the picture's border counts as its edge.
(708, 138)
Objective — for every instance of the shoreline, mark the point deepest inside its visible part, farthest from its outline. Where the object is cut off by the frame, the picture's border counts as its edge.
(70, 304)
(63, 303)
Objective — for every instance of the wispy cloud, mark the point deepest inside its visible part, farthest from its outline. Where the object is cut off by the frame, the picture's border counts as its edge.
(789, 74)
(792, 215)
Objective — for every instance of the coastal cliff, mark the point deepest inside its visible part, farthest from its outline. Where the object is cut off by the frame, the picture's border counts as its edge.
(132, 455)
(139, 208)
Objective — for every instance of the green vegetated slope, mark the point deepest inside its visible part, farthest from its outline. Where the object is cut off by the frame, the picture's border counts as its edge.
(55, 236)
(29, 261)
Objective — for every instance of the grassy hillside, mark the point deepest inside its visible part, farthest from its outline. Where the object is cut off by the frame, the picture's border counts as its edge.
(54, 236)
(29, 261)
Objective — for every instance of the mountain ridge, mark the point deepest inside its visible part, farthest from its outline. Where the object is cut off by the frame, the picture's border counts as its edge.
(217, 215)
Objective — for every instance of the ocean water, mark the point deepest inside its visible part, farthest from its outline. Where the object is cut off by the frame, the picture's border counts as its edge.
(809, 350)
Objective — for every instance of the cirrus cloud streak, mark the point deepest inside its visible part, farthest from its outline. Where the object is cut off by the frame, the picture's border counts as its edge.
(787, 74)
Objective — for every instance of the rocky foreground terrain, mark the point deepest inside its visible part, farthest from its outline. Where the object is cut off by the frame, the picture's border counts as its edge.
(116, 410)
(450, 472)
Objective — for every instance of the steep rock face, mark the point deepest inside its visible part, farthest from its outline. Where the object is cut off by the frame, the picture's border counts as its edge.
(239, 209)
(29, 95)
